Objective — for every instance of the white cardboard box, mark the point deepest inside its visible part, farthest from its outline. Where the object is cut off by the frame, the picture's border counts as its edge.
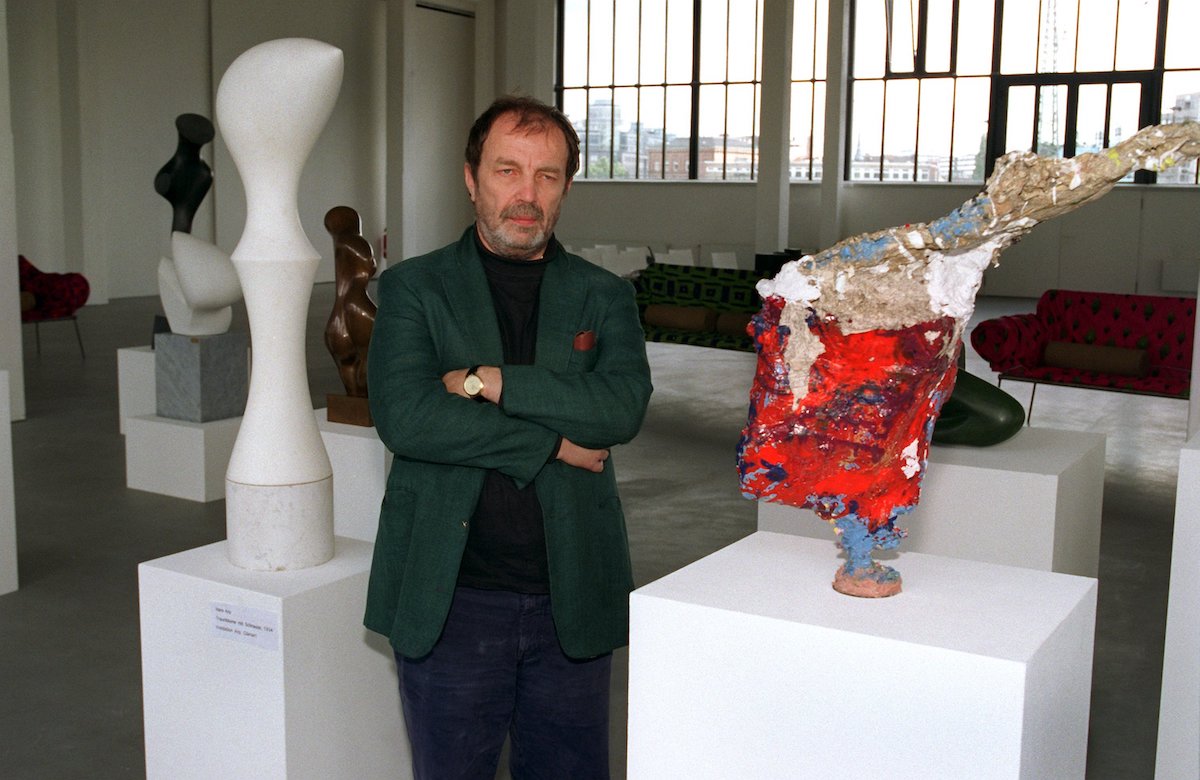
(748, 664)
(1033, 501)
(303, 691)
(179, 458)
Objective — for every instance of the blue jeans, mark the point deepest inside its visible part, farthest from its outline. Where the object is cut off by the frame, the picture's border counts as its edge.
(498, 669)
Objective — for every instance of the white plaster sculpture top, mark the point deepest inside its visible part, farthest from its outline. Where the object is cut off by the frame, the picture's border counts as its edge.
(272, 104)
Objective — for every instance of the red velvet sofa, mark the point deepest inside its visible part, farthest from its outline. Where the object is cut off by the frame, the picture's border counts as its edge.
(1109, 341)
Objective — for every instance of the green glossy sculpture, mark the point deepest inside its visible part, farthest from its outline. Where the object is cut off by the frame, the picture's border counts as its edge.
(978, 414)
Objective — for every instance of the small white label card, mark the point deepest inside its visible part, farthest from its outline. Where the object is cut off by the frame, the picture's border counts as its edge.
(246, 624)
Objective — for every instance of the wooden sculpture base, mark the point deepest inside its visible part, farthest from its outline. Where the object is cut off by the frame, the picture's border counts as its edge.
(348, 409)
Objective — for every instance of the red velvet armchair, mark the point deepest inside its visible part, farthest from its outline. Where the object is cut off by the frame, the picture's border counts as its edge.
(47, 297)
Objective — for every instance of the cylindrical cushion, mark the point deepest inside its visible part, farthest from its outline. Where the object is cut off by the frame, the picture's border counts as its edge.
(665, 315)
(1094, 357)
(733, 323)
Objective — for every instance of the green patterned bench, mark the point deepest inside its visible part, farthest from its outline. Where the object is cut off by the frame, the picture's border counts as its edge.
(712, 304)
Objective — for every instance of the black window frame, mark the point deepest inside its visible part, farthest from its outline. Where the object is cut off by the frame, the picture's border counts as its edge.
(1150, 82)
(695, 85)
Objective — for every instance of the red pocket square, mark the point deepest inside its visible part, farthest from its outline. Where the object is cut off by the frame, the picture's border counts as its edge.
(585, 340)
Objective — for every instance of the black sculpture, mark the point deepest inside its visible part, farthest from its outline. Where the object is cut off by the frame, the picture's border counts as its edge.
(186, 179)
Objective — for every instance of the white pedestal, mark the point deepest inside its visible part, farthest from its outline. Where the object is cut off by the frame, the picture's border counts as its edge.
(136, 393)
(179, 458)
(360, 468)
(316, 697)
(8, 508)
(1032, 501)
(1179, 712)
(748, 664)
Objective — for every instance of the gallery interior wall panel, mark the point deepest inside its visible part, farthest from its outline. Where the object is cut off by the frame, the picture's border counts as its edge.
(344, 167)
(1098, 250)
(139, 64)
(677, 214)
(804, 216)
(1168, 235)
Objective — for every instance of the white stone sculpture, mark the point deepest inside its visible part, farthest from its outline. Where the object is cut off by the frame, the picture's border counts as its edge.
(271, 105)
(198, 286)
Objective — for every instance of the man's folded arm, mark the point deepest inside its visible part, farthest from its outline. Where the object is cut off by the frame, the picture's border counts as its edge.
(414, 415)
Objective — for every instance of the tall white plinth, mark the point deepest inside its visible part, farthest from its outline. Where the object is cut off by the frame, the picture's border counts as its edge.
(8, 508)
(748, 664)
(266, 674)
(1032, 501)
(1179, 711)
(179, 458)
(136, 383)
(360, 468)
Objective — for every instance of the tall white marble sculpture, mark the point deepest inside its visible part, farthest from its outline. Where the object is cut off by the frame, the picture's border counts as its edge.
(271, 105)
(198, 286)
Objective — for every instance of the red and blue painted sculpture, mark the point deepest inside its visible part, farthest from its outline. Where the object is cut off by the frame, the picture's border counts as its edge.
(857, 347)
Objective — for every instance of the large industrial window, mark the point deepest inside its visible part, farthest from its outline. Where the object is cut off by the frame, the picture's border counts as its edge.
(1058, 77)
(662, 89)
(921, 79)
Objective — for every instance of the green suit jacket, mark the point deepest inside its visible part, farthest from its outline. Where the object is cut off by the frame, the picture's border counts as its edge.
(436, 315)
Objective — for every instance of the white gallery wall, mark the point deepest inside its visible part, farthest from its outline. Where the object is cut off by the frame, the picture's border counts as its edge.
(1134, 239)
(439, 97)
(110, 76)
(96, 85)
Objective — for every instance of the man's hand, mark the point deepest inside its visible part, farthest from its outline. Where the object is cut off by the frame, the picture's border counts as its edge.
(581, 457)
(492, 377)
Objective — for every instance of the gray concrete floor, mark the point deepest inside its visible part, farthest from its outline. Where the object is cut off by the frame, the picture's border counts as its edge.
(69, 647)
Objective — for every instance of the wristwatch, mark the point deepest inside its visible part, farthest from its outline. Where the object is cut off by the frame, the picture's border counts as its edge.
(473, 385)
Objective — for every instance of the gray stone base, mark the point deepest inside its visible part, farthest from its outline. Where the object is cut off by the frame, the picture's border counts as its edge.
(201, 378)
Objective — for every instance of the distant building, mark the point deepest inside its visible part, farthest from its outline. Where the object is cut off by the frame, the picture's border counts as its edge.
(1185, 108)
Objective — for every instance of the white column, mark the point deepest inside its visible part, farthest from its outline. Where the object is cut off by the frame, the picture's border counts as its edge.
(836, 109)
(8, 512)
(11, 358)
(772, 190)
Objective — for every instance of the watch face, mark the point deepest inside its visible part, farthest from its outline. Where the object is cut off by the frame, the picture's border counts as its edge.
(473, 385)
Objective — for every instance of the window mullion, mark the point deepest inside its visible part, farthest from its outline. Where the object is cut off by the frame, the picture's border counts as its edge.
(587, 95)
(954, 38)
(612, 98)
(953, 119)
(922, 30)
(637, 139)
(1072, 125)
(694, 140)
(917, 131)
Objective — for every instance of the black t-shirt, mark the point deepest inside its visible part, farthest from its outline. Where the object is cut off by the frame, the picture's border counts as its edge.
(506, 543)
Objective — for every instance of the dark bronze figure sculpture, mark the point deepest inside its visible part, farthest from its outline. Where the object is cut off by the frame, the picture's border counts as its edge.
(348, 332)
(185, 179)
